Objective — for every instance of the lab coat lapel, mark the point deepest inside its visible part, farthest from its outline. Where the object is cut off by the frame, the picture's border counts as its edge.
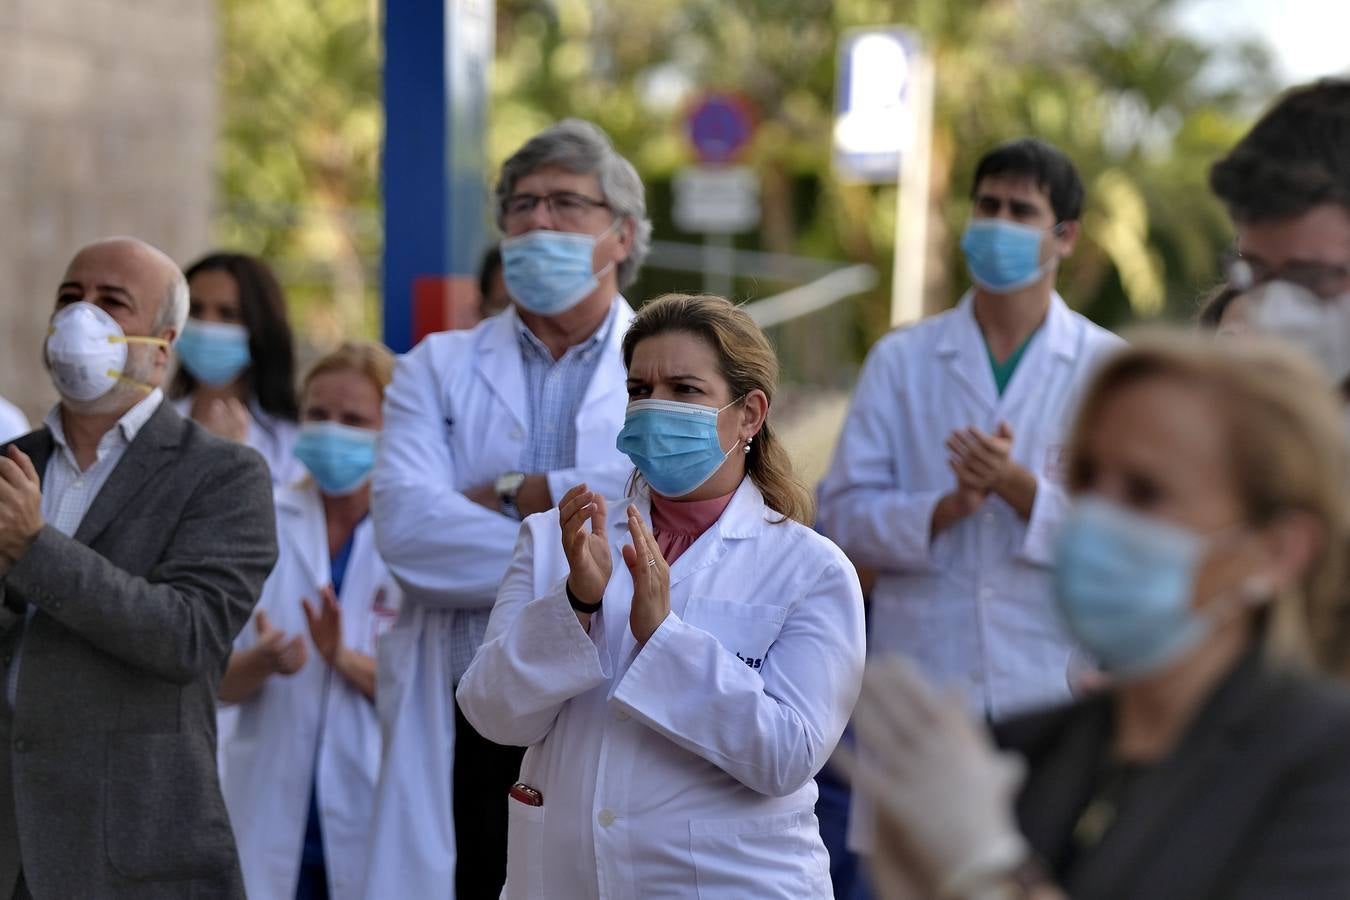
(1058, 341)
(964, 357)
(742, 518)
(609, 378)
(499, 365)
(300, 514)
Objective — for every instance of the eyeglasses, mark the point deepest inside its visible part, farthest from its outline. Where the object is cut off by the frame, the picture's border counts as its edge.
(564, 207)
(1324, 280)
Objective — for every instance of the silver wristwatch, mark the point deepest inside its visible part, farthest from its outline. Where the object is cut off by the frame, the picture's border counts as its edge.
(507, 486)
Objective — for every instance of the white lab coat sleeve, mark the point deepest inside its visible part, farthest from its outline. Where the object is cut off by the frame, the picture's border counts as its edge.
(1047, 515)
(607, 479)
(771, 729)
(535, 657)
(863, 507)
(445, 550)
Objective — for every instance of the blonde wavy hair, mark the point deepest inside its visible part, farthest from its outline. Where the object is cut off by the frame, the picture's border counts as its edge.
(1285, 435)
(746, 360)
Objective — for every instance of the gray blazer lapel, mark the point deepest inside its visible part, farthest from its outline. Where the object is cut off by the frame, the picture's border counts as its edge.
(149, 452)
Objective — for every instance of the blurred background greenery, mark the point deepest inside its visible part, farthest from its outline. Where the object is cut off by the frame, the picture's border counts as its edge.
(1139, 103)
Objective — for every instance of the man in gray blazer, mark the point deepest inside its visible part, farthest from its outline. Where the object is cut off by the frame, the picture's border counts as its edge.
(133, 546)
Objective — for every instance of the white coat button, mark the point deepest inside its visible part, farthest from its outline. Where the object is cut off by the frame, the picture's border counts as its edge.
(986, 593)
(606, 818)
(621, 716)
(518, 434)
(989, 517)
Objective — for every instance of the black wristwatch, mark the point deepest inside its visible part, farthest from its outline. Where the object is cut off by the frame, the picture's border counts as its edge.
(507, 487)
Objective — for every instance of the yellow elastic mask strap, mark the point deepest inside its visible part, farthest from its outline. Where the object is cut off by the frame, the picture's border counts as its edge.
(113, 373)
(135, 339)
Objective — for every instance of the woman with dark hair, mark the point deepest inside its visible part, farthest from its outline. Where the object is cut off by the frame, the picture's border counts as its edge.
(682, 668)
(236, 373)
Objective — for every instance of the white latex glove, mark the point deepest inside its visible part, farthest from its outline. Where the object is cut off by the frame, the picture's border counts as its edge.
(939, 786)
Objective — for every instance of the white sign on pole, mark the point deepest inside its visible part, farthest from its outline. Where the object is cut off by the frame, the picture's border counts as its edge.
(874, 121)
(716, 199)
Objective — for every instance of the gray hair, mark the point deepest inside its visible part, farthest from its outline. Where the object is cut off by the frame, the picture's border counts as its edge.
(173, 309)
(584, 149)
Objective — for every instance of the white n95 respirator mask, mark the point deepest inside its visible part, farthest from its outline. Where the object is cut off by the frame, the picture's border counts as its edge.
(86, 352)
(1317, 326)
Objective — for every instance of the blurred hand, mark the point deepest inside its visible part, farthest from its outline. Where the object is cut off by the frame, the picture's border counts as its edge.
(224, 416)
(940, 788)
(651, 579)
(981, 461)
(282, 654)
(325, 625)
(588, 558)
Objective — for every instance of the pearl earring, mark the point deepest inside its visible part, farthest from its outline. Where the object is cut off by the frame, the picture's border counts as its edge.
(747, 443)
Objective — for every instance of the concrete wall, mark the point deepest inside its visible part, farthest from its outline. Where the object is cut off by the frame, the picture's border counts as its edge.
(107, 126)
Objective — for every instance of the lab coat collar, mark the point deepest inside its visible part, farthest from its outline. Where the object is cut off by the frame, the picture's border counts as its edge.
(300, 516)
(962, 346)
(499, 364)
(744, 517)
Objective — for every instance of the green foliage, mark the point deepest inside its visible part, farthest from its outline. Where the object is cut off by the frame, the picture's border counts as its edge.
(1132, 100)
(298, 176)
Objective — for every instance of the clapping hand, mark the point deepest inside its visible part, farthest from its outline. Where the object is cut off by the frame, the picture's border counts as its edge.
(980, 460)
(588, 557)
(651, 579)
(280, 653)
(20, 506)
(943, 793)
(325, 625)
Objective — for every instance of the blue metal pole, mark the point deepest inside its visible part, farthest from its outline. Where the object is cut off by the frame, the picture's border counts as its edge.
(437, 54)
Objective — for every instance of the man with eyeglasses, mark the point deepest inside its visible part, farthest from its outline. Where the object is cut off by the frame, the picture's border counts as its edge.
(483, 428)
(1287, 187)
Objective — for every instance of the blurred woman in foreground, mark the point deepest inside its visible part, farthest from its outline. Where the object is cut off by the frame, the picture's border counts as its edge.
(1203, 568)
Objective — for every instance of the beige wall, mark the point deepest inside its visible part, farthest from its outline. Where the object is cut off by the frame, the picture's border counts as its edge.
(107, 126)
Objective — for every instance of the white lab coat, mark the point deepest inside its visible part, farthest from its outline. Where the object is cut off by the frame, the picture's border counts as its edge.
(972, 607)
(13, 423)
(270, 435)
(455, 417)
(312, 722)
(683, 768)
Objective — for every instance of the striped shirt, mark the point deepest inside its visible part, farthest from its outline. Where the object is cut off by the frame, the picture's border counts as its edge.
(554, 390)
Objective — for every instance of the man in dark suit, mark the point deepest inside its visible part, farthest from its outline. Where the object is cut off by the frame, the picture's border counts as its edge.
(133, 545)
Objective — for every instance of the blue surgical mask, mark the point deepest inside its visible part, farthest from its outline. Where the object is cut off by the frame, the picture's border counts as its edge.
(1003, 256)
(340, 457)
(1124, 585)
(214, 353)
(674, 445)
(549, 272)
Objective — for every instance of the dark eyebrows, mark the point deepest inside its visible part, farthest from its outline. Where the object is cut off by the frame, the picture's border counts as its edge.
(98, 288)
(670, 378)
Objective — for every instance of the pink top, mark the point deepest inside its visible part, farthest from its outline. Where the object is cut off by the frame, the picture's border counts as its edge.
(677, 524)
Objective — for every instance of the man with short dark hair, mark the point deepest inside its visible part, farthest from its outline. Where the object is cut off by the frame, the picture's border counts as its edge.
(1287, 187)
(947, 477)
(133, 545)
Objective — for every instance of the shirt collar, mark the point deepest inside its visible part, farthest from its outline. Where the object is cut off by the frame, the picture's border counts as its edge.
(127, 427)
(531, 344)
